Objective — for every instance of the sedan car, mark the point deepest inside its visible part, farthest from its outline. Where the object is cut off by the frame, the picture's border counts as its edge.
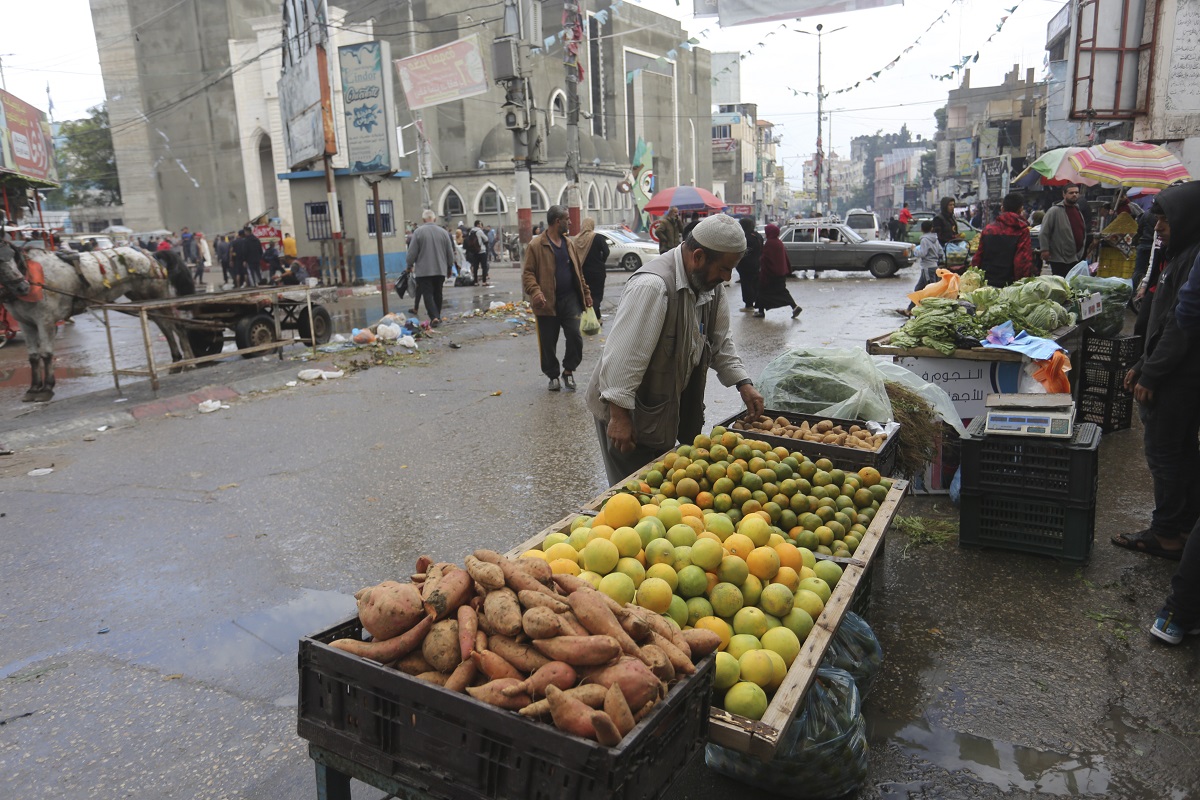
(826, 245)
(965, 229)
(625, 250)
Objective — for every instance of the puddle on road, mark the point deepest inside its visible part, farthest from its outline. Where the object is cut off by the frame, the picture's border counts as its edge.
(1008, 766)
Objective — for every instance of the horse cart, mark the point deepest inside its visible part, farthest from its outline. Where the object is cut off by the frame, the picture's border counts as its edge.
(261, 320)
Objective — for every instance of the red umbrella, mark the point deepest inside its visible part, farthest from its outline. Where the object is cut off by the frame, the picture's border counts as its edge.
(685, 198)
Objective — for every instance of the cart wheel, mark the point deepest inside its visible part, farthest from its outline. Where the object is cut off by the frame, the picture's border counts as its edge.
(322, 323)
(206, 343)
(254, 330)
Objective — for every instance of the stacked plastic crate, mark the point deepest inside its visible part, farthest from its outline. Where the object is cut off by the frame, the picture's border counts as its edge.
(1029, 493)
(1102, 396)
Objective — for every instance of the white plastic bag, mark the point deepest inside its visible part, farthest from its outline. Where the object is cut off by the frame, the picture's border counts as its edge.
(933, 394)
(828, 382)
(387, 333)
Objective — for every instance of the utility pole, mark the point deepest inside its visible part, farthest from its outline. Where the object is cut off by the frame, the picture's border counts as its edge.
(517, 109)
(572, 41)
(820, 147)
(829, 167)
(418, 122)
(758, 193)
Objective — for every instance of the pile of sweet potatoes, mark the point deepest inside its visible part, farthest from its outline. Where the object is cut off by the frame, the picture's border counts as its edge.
(513, 635)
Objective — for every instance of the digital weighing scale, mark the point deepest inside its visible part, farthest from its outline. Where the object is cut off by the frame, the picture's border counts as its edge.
(1050, 415)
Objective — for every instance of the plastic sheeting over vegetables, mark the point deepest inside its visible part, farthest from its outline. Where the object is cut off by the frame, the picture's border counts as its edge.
(827, 382)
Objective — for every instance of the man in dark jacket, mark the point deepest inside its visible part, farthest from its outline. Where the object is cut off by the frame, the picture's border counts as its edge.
(1005, 253)
(1064, 233)
(1166, 382)
(252, 254)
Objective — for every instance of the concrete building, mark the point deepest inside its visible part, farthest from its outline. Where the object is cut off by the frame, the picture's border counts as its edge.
(197, 133)
(843, 177)
(896, 173)
(735, 153)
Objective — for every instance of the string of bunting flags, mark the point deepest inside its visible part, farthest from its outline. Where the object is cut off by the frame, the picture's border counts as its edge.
(957, 68)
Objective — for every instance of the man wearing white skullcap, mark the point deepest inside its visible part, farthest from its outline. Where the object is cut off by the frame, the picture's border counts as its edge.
(671, 326)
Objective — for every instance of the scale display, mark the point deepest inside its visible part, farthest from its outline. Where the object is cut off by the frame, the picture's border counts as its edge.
(1031, 424)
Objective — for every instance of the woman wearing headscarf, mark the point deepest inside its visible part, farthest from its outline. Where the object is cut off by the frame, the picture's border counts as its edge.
(772, 290)
(945, 225)
(748, 268)
(592, 251)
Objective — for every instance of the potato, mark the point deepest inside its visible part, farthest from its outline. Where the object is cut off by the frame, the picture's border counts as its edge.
(389, 608)
(503, 611)
(441, 647)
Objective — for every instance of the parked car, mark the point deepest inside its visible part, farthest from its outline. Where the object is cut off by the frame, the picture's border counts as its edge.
(864, 223)
(965, 229)
(626, 250)
(76, 241)
(824, 245)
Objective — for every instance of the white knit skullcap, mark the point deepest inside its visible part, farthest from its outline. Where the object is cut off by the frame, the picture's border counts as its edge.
(720, 232)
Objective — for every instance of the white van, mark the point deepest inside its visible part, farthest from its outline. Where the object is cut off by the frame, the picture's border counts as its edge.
(864, 223)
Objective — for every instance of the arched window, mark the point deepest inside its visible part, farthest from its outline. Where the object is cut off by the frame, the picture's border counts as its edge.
(558, 107)
(593, 201)
(490, 201)
(452, 205)
(607, 202)
(537, 198)
(563, 195)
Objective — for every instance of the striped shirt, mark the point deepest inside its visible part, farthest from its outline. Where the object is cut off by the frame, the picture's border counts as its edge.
(637, 327)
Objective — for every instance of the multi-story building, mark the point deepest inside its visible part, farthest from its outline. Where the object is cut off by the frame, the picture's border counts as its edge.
(735, 152)
(895, 173)
(842, 178)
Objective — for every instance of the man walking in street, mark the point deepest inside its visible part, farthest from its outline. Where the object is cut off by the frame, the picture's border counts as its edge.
(1005, 252)
(647, 392)
(552, 279)
(431, 256)
(476, 246)
(1063, 233)
(252, 254)
(669, 230)
(905, 219)
(237, 255)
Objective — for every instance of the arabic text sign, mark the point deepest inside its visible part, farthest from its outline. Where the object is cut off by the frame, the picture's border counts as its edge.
(367, 99)
(451, 72)
(968, 382)
(25, 141)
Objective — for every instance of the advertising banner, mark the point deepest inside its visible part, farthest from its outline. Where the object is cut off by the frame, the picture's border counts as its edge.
(964, 156)
(740, 210)
(304, 100)
(451, 72)
(746, 12)
(370, 111)
(26, 144)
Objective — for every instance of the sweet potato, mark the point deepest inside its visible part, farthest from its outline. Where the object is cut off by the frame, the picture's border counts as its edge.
(541, 623)
(541, 600)
(679, 660)
(489, 576)
(555, 673)
(503, 611)
(481, 641)
(490, 556)
(388, 650)
(433, 574)
(665, 628)
(636, 627)
(441, 648)
(462, 676)
(653, 656)
(495, 666)
(637, 682)
(389, 608)
(580, 651)
(455, 588)
(468, 626)
(571, 625)
(492, 694)
(590, 694)
(606, 730)
(423, 563)
(521, 656)
(519, 579)
(413, 664)
(642, 712)
(594, 614)
(484, 624)
(572, 583)
(433, 676)
(617, 709)
(536, 567)
(701, 641)
(569, 714)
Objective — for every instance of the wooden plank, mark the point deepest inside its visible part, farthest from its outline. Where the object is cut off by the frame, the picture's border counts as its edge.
(762, 739)
(535, 542)
(880, 346)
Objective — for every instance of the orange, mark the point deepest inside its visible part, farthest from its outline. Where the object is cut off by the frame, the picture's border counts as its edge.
(739, 544)
(695, 523)
(600, 532)
(788, 577)
(599, 519)
(718, 626)
(649, 510)
(789, 556)
(687, 487)
(870, 476)
(691, 510)
(704, 500)
(713, 580)
(763, 563)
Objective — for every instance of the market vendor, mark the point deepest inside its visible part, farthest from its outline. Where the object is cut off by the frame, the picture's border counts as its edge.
(671, 326)
(1005, 252)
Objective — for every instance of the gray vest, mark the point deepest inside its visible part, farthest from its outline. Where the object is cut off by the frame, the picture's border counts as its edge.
(669, 403)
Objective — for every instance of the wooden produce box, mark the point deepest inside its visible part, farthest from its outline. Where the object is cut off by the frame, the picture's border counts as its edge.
(847, 458)
(760, 738)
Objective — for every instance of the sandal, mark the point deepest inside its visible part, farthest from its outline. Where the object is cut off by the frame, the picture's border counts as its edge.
(1146, 542)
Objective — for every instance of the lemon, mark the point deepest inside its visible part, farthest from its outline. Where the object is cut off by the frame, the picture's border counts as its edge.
(728, 672)
(756, 666)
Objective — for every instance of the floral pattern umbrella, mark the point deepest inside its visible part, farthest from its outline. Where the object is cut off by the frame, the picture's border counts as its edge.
(1130, 164)
(1053, 169)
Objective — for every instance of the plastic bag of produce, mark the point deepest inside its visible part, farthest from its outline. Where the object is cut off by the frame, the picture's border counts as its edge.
(855, 649)
(933, 394)
(1114, 296)
(828, 382)
(945, 286)
(822, 756)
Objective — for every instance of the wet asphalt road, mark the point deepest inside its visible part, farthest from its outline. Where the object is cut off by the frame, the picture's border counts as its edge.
(155, 584)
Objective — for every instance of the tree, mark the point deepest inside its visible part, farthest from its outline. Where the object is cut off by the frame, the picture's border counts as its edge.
(87, 165)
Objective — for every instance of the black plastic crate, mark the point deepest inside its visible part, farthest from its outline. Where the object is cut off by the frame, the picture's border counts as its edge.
(1119, 352)
(1061, 469)
(1110, 411)
(883, 459)
(453, 746)
(1102, 378)
(1027, 523)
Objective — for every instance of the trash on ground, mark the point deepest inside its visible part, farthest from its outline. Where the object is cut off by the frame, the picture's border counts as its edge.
(407, 341)
(290, 384)
(318, 374)
(102, 428)
(40, 471)
(209, 406)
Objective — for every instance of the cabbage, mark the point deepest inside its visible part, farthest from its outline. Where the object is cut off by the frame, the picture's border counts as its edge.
(982, 298)
(971, 280)
(1045, 316)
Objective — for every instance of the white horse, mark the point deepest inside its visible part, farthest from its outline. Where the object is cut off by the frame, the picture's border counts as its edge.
(102, 276)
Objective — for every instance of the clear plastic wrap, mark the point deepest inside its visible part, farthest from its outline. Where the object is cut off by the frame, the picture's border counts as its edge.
(855, 649)
(822, 756)
(1114, 296)
(828, 382)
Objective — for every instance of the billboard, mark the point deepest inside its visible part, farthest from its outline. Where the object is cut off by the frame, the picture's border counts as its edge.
(26, 147)
(304, 101)
(747, 12)
(451, 72)
(964, 157)
(370, 110)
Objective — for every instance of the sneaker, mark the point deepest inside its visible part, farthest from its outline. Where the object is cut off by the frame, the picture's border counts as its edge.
(745, 309)
(760, 313)
(1170, 631)
(568, 382)
(796, 311)
(554, 385)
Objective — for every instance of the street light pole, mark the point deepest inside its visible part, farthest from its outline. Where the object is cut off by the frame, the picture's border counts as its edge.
(819, 170)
